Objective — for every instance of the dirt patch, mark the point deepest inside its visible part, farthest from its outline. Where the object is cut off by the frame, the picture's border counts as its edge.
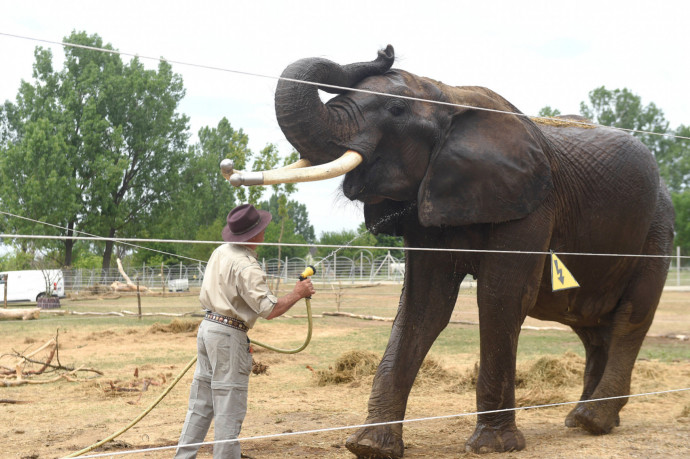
(54, 420)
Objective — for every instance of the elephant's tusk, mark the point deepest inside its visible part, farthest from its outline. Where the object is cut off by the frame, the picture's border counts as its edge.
(294, 174)
(227, 167)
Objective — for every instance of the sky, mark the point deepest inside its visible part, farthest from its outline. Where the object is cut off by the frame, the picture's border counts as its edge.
(533, 53)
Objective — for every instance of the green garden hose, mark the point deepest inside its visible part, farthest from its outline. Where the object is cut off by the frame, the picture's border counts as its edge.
(298, 349)
(138, 418)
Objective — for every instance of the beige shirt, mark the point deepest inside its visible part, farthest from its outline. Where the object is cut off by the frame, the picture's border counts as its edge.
(235, 285)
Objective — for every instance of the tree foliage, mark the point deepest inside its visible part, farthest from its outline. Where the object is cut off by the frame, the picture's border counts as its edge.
(623, 109)
(200, 204)
(103, 140)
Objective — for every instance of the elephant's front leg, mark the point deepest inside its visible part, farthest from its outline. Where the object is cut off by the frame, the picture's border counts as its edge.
(429, 294)
(506, 291)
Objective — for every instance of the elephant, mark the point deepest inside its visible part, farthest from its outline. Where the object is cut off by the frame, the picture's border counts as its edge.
(462, 168)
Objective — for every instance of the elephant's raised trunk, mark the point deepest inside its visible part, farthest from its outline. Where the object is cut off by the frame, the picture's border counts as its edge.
(306, 122)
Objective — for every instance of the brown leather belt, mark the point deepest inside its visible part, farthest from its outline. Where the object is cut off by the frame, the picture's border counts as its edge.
(227, 321)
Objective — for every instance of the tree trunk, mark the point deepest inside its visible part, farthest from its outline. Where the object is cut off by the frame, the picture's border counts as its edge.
(108, 252)
(69, 244)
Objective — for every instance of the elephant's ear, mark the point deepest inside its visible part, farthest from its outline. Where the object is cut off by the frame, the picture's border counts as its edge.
(489, 168)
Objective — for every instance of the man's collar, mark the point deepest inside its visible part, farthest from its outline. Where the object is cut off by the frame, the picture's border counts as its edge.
(244, 248)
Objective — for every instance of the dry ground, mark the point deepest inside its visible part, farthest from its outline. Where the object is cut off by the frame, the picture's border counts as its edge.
(64, 417)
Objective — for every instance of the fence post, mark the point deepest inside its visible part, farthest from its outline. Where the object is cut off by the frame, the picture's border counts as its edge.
(361, 265)
(138, 298)
(678, 266)
(5, 291)
(162, 280)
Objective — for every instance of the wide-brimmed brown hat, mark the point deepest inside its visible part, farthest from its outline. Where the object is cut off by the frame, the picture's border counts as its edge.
(245, 222)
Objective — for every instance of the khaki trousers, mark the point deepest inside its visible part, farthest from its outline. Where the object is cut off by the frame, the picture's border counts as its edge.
(218, 392)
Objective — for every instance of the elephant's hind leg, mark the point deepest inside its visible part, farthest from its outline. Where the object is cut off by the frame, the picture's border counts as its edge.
(631, 321)
(596, 341)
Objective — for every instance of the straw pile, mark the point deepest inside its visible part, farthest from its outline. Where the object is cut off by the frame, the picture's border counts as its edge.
(348, 367)
(176, 326)
(355, 365)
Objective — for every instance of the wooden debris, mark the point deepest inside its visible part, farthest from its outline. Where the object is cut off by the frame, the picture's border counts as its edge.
(128, 286)
(358, 316)
(16, 314)
(16, 374)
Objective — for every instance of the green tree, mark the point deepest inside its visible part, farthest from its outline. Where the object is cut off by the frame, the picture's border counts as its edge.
(674, 160)
(282, 228)
(297, 212)
(622, 108)
(548, 112)
(36, 176)
(345, 240)
(201, 202)
(119, 140)
(385, 240)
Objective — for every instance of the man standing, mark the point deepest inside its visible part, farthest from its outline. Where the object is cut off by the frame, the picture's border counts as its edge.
(235, 294)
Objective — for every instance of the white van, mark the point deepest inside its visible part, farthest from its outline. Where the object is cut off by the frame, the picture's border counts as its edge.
(30, 285)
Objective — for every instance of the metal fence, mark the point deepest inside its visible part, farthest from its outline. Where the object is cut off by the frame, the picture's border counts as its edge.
(362, 268)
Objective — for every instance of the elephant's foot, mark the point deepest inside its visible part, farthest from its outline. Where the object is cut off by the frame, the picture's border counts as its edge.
(593, 420)
(376, 442)
(488, 439)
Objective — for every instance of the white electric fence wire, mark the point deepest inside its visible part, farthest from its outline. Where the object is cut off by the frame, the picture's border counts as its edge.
(98, 237)
(368, 247)
(340, 88)
(128, 240)
(377, 424)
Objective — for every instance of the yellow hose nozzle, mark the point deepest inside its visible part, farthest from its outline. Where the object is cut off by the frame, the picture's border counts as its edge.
(308, 272)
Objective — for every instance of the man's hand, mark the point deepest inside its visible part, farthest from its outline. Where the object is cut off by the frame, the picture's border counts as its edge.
(304, 288)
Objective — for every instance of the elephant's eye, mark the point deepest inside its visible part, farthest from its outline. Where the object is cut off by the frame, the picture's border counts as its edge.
(396, 108)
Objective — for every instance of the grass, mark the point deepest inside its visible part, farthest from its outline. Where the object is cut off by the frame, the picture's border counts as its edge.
(332, 334)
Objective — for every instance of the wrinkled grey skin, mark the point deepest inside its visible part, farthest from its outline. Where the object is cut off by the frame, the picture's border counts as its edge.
(455, 177)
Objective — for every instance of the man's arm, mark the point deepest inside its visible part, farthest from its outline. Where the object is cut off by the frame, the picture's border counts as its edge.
(301, 290)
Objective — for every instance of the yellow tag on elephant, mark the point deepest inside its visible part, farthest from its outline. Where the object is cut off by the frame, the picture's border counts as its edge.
(561, 279)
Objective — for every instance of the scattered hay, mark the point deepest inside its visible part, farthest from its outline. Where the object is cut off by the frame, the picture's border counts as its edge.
(543, 376)
(685, 414)
(95, 336)
(355, 365)
(467, 381)
(550, 372)
(176, 326)
(259, 368)
(432, 371)
(649, 371)
(565, 121)
(540, 396)
(348, 367)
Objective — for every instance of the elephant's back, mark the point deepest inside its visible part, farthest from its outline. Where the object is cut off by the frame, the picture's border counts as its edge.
(608, 199)
(606, 185)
